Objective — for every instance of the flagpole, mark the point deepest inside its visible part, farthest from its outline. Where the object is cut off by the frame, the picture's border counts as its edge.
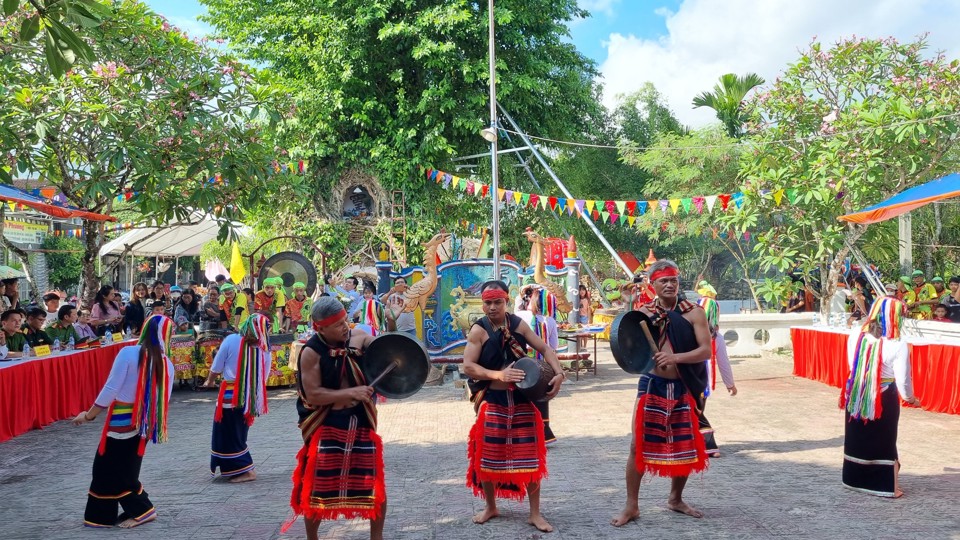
(491, 136)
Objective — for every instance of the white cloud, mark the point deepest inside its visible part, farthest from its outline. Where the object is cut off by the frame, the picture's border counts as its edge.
(707, 38)
(193, 27)
(596, 7)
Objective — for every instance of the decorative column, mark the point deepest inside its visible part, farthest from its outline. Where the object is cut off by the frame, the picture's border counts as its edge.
(572, 263)
(383, 266)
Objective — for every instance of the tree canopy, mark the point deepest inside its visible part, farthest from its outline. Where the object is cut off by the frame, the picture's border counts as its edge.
(164, 122)
(842, 128)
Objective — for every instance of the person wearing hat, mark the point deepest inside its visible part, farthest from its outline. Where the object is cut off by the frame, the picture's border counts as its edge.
(233, 305)
(903, 287)
(267, 301)
(921, 298)
(941, 288)
(297, 309)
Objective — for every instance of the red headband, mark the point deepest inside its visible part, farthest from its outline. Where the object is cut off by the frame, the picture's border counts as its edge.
(664, 272)
(493, 294)
(333, 319)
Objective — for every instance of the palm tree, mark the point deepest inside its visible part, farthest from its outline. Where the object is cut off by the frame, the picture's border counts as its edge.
(727, 100)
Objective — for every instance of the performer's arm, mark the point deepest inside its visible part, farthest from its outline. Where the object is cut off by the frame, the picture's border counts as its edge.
(549, 355)
(901, 373)
(471, 359)
(317, 395)
(698, 319)
(723, 365)
(111, 388)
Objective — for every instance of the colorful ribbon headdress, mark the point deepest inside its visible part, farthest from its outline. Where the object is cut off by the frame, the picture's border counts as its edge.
(152, 401)
(250, 386)
(861, 394)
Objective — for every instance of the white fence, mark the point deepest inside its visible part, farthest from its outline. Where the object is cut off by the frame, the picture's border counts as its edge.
(748, 335)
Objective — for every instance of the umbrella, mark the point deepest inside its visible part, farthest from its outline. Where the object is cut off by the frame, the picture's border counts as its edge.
(55, 209)
(10, 273)
(905, 201)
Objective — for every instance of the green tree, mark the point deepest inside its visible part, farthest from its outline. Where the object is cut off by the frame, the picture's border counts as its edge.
(159, 116)
(64, 261)
(58, 23)
(727, 100)
(386, 86)
(843, 128)
(703, 162)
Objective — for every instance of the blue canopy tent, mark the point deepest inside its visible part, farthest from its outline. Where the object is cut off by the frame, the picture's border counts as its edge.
(905, 201)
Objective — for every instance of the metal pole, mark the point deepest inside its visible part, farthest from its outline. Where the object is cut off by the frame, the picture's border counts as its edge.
(495, 180)
(583, 262)
(563, 188)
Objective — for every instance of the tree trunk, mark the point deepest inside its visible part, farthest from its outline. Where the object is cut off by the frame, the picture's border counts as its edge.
(90, 280)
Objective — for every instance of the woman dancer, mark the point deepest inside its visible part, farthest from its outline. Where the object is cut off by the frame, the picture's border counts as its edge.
(136, 397)
(879, 377)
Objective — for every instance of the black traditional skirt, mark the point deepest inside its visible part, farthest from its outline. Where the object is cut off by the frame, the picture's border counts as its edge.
(228, 447)
(870, 448)
(116, 482)
(506, 445)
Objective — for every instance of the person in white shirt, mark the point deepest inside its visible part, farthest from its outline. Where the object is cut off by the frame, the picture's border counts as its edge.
(349, 290)
(879, 378)
(243, 361)
(532, 298)
(136, 413)
(52, 302)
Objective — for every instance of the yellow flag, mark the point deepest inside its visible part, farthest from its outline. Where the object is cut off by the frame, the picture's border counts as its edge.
(237, 270)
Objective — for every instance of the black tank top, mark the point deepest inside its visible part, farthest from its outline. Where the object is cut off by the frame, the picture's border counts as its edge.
(331, 371)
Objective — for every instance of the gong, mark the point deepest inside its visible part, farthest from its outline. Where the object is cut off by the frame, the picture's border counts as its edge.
(629, 345)
(396, 364)
(291, 267)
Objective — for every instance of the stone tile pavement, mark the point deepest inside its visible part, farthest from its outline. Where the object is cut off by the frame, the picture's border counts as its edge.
(779, 476)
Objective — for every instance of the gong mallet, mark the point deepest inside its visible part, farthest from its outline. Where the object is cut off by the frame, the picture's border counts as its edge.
(393, 365)
(650, 340)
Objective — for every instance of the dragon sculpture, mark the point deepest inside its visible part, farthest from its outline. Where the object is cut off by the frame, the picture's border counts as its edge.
(538, 255)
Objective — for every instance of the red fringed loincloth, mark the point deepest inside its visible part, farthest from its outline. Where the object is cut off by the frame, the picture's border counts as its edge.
(666, 435)
(506, 445)
(339, 471)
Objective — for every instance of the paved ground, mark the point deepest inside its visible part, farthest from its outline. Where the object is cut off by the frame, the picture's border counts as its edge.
(779, 476)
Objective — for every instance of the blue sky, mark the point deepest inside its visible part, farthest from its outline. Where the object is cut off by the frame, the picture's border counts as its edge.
(684, 46)
(636, 17)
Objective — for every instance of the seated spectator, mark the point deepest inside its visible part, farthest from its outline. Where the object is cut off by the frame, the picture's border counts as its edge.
(106, 315)
(134, 316)
(52, 301)
(211, 316)
(63, 328)
(11, 336)
(940, 313)
(34, 329)
(82, 326)
(157, 307)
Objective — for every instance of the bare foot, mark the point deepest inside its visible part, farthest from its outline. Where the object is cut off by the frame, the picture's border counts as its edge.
(684, 508)
(486, 515)
(541, 524)
(628, 515)
(897, 493)
(714, 454)
(131, 523)
(249, 476)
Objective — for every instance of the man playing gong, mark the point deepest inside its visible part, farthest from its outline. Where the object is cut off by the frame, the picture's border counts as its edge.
(339, 471)
(506, 451)
(666, 441)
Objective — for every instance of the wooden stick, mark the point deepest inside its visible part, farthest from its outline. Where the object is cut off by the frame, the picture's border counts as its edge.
(391, 367)
(646, 332)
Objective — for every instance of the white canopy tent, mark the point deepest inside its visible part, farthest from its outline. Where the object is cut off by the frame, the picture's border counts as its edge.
(171, 240)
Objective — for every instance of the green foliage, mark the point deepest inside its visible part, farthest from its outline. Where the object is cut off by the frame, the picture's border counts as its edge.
(65, 263)
(159, 115)
(841, 129)
(727, 100)
(58, 24)
(383, 87)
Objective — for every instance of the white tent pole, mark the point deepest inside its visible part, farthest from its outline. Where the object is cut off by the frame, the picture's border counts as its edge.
(176, 269)
(156, 268)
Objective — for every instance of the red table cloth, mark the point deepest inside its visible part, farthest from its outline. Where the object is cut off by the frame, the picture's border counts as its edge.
(821, 355)
(38, 392)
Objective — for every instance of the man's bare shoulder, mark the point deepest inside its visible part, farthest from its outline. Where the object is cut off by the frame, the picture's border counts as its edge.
(477, 334)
